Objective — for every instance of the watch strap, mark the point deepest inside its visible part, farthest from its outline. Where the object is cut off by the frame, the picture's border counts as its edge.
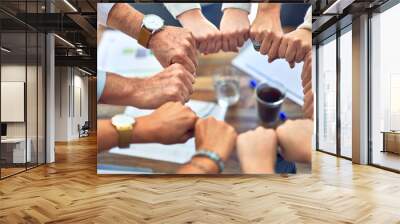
(144, 36)
(213, 156)
(124, 136)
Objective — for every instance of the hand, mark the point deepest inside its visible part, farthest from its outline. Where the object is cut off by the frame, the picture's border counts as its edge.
(257, 150)
(171, 123)
(267, 30)
(174, 83)
(294, 137)
(295, 46)
(216, 136)
(234, 27)
(306, 77)
(175, 45)
(207, 36)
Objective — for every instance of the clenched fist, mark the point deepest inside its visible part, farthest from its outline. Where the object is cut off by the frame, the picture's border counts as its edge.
(207, 36)
(295, 46)
(234, 27)
(174, 83)
(171, 123)
(175, 45)
(216, 136)
(267, 30)
(295, 139)
(257, 150)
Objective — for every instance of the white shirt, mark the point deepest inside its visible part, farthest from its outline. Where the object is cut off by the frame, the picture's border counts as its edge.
(307, 24)
(178, 8)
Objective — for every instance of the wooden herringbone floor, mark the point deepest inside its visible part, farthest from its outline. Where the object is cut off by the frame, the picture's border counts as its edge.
(69, 191)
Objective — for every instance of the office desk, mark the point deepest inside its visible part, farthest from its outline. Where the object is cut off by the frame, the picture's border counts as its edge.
(242, 116)
(391, 141)
(16, 154)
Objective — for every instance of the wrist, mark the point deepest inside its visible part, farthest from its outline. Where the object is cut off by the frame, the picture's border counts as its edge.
(235, 10)
(269, 9)
(219, 150)
(134, 91)
(204, 164)
(143, 131)
(189, 16)
(151, 44)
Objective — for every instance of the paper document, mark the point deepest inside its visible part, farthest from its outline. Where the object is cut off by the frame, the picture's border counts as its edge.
(177, 153)
(121, 54)
(255, 64)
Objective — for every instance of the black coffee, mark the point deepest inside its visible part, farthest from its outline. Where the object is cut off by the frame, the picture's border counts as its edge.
(269, 103)
(270, 94)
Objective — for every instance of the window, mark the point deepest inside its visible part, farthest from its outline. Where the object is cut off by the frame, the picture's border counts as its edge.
(385, 89)
(22, 88)
(327, 96)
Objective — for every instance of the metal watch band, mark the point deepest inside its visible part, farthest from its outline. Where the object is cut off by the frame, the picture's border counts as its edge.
(213, 156)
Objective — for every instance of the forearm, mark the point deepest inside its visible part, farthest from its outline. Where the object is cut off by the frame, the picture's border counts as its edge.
(107, 134)
(177, 9)
(120, 90)
(269, 9)
(190, 16)
(125, 18)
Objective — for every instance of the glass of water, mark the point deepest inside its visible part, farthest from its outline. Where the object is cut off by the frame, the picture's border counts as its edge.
(227, 86)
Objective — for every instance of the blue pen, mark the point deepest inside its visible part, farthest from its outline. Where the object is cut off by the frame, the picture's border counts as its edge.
(282, 116)
(253, 84)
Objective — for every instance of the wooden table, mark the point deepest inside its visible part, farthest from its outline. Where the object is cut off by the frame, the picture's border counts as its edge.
(242, 116)
(391, 141)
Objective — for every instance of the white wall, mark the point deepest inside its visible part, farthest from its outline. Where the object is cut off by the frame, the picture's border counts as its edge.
(346, 74)
(33, 127)
(71, 93)
(12, 73)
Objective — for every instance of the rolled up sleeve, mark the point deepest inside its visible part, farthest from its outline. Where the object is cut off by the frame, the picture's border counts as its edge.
(307, 24)
(178, 8)
(101, 82)
(243, 6)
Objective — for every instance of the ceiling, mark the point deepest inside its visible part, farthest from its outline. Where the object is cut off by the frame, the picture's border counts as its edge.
(72, 20)
(332, 15)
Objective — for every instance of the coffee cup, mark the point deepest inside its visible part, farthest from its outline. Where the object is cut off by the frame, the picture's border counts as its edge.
(270, 98)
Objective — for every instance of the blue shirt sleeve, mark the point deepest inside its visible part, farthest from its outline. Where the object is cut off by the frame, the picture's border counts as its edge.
(101, 82)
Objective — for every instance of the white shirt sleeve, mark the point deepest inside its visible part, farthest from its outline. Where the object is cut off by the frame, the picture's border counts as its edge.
(243, 6)
(178, 8)
(102, 12)
(307, 24)
(101, 83)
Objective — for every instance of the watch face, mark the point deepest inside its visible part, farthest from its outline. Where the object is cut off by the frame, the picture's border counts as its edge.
(153, 22)
(122, 120)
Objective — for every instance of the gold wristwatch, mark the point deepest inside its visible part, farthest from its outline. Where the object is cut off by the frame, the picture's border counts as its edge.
(124, 125)
(150, 25)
